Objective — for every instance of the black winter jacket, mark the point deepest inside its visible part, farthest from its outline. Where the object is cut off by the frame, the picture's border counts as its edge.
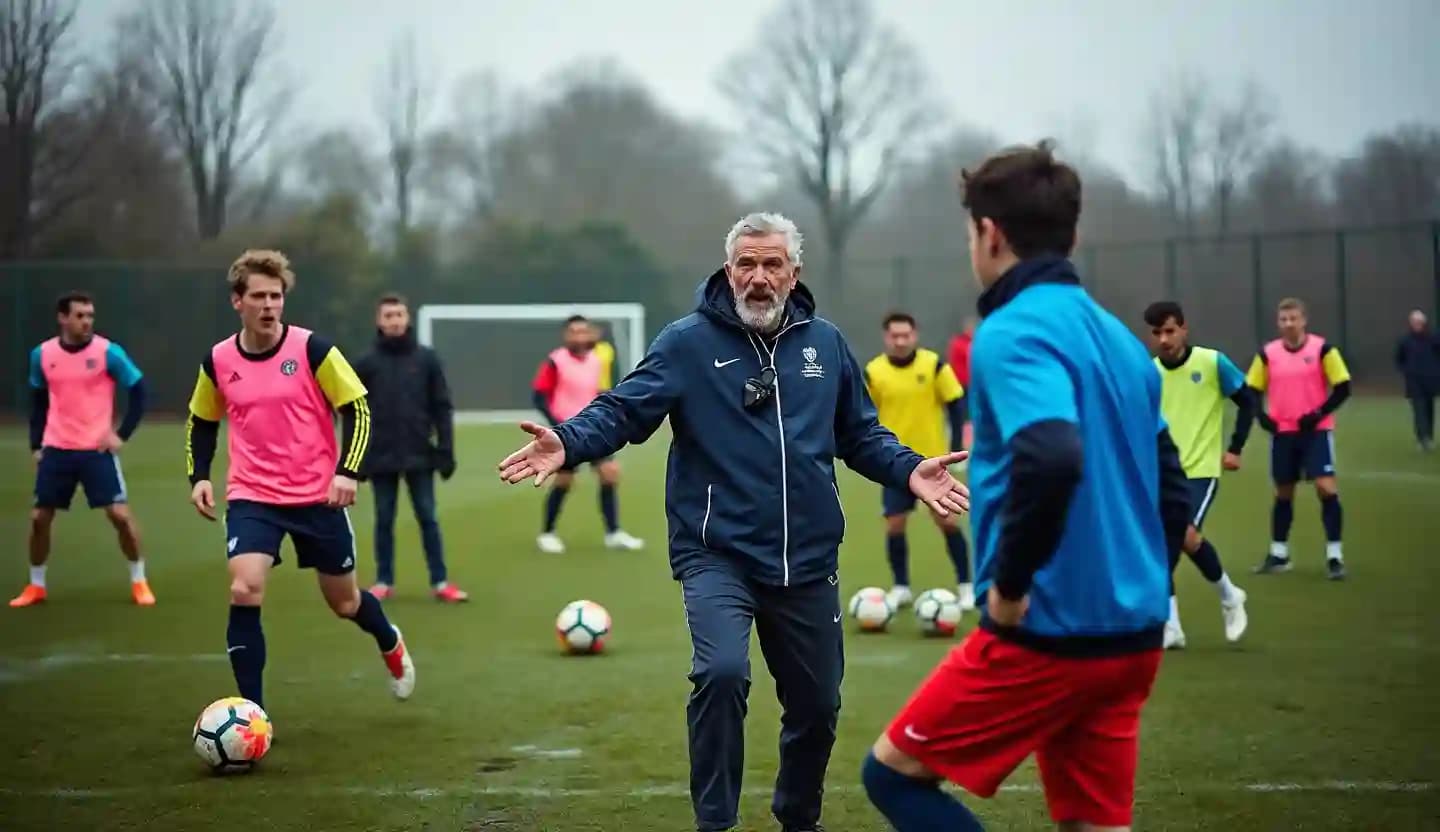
(412, 419)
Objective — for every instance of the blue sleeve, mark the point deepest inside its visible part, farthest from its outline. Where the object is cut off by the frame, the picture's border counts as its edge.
(866, 446)
(631, 411)
(120, 367)
(37, 372)
(1025, 380)
(1231, 379)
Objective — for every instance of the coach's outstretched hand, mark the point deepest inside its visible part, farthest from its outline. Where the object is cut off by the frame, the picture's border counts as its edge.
(540, 458)
(932, 483)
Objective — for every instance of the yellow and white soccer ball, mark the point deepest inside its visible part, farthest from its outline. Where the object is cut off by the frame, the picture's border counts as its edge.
(232, 734)
(871, 609)
(938, 612)
(582, 627)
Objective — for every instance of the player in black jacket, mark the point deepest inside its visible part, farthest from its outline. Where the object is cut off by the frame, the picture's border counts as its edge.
(412, 436)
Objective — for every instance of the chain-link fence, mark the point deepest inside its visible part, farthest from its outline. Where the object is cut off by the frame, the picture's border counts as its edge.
(1359, 285)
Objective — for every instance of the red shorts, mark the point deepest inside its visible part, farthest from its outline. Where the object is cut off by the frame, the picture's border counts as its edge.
(991, 703)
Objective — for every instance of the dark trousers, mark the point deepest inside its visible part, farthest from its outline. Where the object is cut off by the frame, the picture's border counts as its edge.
(1424, 409)
(421, 485)
(801, 637)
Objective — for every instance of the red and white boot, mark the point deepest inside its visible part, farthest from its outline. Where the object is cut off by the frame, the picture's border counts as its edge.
(402, 669)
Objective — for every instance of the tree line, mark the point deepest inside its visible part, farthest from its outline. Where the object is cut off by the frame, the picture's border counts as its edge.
(172, 141)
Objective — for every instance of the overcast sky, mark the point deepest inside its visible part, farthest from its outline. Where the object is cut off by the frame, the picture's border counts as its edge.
(1081, 70)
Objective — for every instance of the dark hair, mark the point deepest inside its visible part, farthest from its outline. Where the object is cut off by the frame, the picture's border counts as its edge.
(899, 318)
(62, 304)
(391, 299)
(576, 319)
(1157, 313)
(1031, 197)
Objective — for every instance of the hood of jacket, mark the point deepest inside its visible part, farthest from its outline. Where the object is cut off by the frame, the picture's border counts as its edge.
(715, 300)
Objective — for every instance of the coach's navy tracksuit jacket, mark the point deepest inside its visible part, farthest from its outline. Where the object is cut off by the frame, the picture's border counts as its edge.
(755, 524)
(755, 487)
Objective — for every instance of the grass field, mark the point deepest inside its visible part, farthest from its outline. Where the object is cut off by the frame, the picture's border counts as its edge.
(1326, 717)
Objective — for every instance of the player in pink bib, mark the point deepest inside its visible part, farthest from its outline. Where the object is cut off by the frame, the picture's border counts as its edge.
(280, 386)
(569, 379)
(73, 378)
(1304, 380)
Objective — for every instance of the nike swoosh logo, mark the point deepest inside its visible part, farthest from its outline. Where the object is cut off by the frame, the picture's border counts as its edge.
(719, 363)
(837, 618)
(911, 733)
(233, 649)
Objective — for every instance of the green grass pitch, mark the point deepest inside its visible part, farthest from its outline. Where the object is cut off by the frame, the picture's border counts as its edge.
(1326, 717)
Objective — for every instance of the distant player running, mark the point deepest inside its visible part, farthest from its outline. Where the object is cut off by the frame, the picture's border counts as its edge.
(279, 386)
(571, 377)
(72, 381)
(913, 390)
(1194, 384)
(1304, 381)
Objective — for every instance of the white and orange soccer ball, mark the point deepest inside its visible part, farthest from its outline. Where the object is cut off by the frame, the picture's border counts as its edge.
(582, 627)
(232, 734)
(938, 612)
(871, 609)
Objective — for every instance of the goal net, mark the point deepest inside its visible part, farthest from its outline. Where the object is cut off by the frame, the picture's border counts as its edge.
(491, 351)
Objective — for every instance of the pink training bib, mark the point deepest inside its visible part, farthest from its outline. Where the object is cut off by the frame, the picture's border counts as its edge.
(282, 429)
(82, 395)
(1297, 383)
(577, 382)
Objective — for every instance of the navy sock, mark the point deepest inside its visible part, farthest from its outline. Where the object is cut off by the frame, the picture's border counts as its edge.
(245, 642)
(609, 509)
(897, 549)
(370, 617)
(1207, 560)
(553, 501)
(1281, 516)
(959, 555)
(1332, 517)
(914, 805)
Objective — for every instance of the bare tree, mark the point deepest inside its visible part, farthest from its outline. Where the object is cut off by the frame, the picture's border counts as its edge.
(1394, 178)
(203, 60)
(401, 98)
(33, 76)
(1285, 189)
(463, 160)
(1176, 136)
(832, 98)
(1238, 132)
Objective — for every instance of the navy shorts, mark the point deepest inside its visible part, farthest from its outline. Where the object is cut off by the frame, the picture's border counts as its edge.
(594, 463)
(323, 537)
(1296, 456)
(59, 471)
(1202, 497)
(897, 501)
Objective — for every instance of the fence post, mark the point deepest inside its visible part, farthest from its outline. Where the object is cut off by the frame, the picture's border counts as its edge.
(900, 268)
(1435, 263)
(1257, 297)
(1172, 276)
(1340, 274)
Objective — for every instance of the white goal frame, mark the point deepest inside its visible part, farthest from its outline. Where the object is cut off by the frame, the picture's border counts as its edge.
(627, 323)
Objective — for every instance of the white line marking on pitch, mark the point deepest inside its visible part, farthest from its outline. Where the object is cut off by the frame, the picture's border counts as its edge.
(1409, 477)
(20, 670)
(547, 753)
(673, 790)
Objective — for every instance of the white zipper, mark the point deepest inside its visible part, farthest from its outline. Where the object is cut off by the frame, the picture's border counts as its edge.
(839, 502)
(705, 524)
(784, 466)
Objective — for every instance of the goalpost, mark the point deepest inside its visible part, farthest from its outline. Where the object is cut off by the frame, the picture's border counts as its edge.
(491, 351)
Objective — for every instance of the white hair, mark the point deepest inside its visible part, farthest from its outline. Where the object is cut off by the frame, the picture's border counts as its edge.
(762, 223)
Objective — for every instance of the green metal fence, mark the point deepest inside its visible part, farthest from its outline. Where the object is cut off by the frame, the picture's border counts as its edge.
(1359, 285)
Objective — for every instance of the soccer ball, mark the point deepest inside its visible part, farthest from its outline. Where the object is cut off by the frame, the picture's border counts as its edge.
(232, 734)
(938, 611)
(582, 627)
(871, 609)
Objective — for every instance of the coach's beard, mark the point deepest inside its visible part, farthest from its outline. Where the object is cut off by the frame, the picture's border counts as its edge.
(761, 313)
